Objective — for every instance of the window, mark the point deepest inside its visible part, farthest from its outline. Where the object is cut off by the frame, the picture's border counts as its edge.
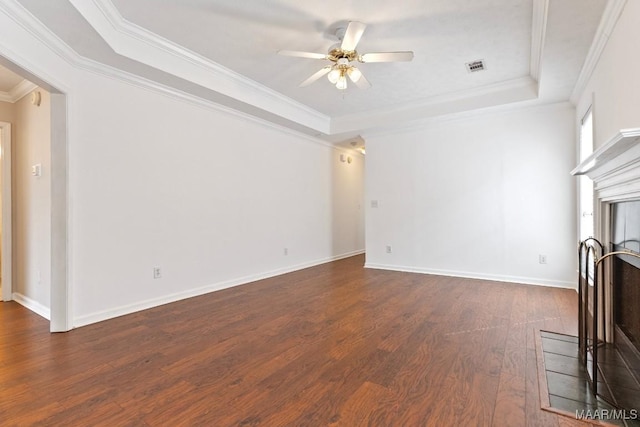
(585, 184)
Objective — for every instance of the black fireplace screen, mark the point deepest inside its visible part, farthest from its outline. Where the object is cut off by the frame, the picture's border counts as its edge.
(607, 359)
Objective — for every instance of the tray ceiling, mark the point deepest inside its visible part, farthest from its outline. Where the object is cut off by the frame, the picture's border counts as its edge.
(533, 51)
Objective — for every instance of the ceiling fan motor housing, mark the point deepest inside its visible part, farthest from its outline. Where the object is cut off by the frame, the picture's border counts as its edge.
(337, 54)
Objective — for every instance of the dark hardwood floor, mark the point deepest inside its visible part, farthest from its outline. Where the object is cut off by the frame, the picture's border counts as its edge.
(331, 345)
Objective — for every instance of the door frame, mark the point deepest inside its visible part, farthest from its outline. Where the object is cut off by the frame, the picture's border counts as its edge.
(61, 317)
(6, 259)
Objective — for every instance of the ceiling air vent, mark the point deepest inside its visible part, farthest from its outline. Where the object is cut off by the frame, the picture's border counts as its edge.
(474, 66)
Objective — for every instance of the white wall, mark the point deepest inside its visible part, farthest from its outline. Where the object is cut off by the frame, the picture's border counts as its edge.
(210, 197)
(6, 115)
(614, 86)
(6, 112)
(478, 197)
(32, 203)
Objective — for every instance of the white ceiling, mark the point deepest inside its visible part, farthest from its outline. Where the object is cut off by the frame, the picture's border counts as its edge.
(8, 80)
(13, 86)
(444, 34)
(533, 49)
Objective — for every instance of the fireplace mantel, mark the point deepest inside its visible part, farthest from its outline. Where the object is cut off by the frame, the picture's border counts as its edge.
(615, 167)
(615, 171)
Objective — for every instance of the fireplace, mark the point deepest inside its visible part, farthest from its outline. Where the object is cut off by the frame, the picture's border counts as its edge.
(612, 341)
(626, 302)
(625, 275)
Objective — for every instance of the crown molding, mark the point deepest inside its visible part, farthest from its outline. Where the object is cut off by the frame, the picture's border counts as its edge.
(40, 32)
(610, 17)
(529, 106)
(538, 34)
(142, 45)
(516, 90)
(21, 90)
(51, 41)
(18, 92)
(149, 47)
(354, 122)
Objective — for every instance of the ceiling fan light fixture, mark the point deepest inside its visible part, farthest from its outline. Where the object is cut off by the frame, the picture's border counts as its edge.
(334, 75)
(354, 74)
(343, 55)
(341, 84)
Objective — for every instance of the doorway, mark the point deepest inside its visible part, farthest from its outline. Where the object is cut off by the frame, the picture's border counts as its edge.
(585, 184)
(59, 301)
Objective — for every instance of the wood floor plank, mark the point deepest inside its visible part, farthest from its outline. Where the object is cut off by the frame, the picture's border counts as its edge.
(356, 411)
(334, 344)
(510, 408)
(535, 416)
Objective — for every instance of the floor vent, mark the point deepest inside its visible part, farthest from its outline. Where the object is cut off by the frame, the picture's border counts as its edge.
(474, 66)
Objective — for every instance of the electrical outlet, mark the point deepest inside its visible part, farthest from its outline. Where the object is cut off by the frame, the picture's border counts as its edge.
(374, 204)
(389, 249)
(542, 259)
(286, 251)
(157, 273)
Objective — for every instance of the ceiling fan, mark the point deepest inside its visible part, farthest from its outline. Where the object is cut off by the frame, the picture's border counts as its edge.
(342, 57)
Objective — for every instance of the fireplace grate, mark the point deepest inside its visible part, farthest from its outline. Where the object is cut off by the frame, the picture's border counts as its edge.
(596, 349)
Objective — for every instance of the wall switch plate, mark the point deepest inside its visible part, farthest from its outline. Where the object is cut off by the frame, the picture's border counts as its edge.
(374, 203)
(157, 273)
(389, 249)
(36, 170)
(542, 259)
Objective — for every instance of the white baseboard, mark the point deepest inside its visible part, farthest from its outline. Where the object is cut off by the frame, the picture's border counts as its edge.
(166, 299)
(32, 305)
(480, 276)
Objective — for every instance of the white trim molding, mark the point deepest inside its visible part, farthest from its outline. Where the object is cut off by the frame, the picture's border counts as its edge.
(472, 275)
(254, 99)
(143, 305)
(610, 17)
(464, 116)
(32, 305)
(49, 39)
(21, 90)
(497, 94)
(18, 92)
(615, 167)
(538, 34)
(140, 44)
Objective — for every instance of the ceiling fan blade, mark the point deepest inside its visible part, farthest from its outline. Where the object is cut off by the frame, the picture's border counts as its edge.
(387, 57)
(356, 76)
(315, 76)
(300, 54)
(352, 35)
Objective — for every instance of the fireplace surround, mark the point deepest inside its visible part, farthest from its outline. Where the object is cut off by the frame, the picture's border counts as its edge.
(626, 307)
(615, 171)
(625, 235)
